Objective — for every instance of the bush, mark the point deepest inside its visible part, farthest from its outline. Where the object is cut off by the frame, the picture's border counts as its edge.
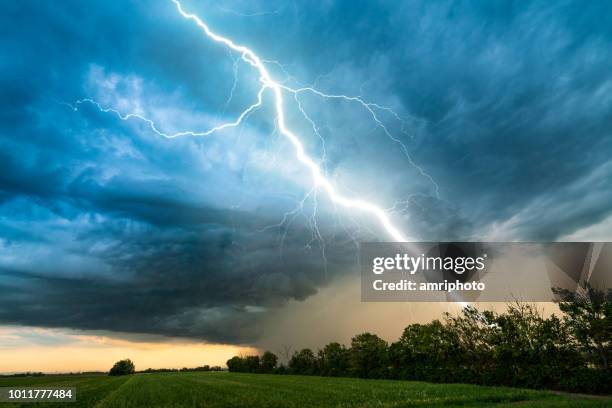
(122, 367)
(588, 380)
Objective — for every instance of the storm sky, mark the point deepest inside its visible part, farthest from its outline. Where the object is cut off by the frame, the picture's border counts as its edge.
(504, 109)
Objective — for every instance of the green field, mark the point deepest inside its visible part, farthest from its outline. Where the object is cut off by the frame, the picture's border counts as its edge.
(222, 389)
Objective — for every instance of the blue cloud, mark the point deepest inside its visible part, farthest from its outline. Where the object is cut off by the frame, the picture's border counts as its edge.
(105, 225)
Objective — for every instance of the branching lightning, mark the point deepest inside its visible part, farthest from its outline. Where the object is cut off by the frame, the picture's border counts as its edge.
(278, 89)
(154, 128)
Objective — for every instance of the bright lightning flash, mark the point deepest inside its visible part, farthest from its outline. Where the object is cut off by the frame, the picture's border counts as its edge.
(277, 89)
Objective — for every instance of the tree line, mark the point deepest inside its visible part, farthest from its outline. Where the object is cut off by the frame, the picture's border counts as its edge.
(126, 367)
(519, 347)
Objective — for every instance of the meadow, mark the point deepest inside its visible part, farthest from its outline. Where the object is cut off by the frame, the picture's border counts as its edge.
(223, 390)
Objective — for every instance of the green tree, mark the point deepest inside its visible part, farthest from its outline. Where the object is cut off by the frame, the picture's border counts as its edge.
(122, 367)
(268, 362)
(252, 364)
(470, 332)
(588, 314)
(530, 350)
(426, 352)
(368, 356)
(236, 364)
(334, 360)
(303, 362)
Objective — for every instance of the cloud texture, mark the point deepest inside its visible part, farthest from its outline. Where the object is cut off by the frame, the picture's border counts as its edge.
(104, 225)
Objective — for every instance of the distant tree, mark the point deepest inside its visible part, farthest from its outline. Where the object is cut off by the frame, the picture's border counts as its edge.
(159, 370)
(252, 364)
(368, 356)
(303, 362)
(122, 367)
(236, 364)
(334, 360)
(268, 362)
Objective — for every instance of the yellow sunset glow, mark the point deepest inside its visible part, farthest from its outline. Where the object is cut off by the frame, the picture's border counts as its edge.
(52, 350)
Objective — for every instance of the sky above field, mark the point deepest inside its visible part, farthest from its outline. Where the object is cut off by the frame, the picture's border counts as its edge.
(496, 127)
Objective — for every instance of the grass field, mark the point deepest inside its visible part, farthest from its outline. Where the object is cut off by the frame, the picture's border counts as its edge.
(221, 389)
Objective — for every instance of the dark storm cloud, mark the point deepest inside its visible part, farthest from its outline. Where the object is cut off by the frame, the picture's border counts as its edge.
(176, 284)
(104, 225)
(515, 99)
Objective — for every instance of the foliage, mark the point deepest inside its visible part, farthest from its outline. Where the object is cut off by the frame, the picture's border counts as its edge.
(334, 360)
(588, 314)
(253, 364)
(268, 362)
(303, 362)
(519, 347)
(368, 356)
(122, 367)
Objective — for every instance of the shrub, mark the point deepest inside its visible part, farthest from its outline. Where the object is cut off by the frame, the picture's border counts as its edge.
(122, 367)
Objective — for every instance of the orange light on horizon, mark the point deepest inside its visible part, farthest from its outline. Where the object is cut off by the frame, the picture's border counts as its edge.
(57, 351)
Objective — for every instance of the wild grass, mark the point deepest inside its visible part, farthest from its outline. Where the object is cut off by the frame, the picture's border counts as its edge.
(224, 390)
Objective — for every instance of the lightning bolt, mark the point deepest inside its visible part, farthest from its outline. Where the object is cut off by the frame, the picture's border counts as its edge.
(277, 89)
